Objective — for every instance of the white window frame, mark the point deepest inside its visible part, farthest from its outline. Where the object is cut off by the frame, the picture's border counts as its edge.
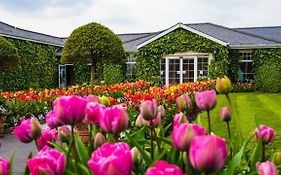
(246, 61)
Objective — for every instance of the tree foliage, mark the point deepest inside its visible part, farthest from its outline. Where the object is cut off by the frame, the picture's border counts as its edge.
(9, 57)
(93, 43)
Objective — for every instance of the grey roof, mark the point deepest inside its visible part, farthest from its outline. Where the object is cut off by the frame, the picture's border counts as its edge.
(231, 36)
(14, 32)
(131, 41)
(234, 37)
(271, 33)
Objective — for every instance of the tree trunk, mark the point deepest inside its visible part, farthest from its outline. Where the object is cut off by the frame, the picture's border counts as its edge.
(92, 77)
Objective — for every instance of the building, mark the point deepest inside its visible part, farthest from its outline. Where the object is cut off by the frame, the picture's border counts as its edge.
(180, 54)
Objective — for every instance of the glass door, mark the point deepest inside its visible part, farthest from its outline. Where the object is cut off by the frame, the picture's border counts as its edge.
(188, 65)
(174, 71)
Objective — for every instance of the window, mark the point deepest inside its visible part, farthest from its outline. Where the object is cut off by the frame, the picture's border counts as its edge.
(162, 69)
(202, 66)
(131, 68)
(246, 66)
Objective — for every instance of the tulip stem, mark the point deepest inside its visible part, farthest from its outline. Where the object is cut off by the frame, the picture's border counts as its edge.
(263, 152)
(91, 146)
(228, 99)
(36, 144)
(188, 167)
(229, 139)
(209, 121)
(151, 143)
(73, 147)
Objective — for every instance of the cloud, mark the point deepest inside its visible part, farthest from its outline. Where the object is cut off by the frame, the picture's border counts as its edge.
(60, 17)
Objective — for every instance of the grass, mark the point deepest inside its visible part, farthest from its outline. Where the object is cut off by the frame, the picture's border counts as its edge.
(248, 111)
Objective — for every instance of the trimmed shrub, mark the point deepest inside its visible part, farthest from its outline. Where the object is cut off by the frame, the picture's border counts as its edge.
(9, 57)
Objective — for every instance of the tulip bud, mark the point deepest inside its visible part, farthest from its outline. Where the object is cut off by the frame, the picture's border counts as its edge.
(179, 118)
(104, 100)
(136, 155)
(4, 166)
(36, 128)
(223, 85)
(149, 109)
(265, 133)
(183, 102)
(267, 168)
(64, 134)
(225, 114)
(162, 167)
(206, 100)
(161, 109)
(99, 140)
(276, 158)
(140, 122)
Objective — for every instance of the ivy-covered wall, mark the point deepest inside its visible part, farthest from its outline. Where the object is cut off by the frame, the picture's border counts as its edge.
(267, 69)
(180, 40)
(38, 67)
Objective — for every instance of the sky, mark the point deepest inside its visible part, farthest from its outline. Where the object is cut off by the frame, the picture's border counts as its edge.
(61, 17)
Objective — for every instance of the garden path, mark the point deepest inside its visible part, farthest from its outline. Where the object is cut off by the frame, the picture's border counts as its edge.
(9, 144)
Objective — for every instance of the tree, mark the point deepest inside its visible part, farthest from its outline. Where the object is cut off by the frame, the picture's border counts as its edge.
(9, 57)
(93, 43)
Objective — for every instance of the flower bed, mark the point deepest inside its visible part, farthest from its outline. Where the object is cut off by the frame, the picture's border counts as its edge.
(119, 145)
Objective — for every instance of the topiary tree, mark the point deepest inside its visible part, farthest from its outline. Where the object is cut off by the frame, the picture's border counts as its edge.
(93, 43)
(9, 57)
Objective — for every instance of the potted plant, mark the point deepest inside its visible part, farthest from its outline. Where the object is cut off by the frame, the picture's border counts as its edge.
(4, 111)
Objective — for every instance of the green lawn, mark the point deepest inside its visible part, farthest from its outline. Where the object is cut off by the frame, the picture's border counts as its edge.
(249, 109)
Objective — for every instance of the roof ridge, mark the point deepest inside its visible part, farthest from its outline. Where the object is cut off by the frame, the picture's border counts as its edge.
(140, 37)
(245, 33)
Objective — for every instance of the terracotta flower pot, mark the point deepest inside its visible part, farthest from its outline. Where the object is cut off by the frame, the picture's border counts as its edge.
(83, 131)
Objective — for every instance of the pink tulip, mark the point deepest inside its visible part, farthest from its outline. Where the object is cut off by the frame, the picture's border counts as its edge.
(70, 109)
(4, 166)
(28, 130)
(183, 102)
(164, 168)
(225, 114)
(183, 134)
(47, 161)
(179, 118)
(114, 119)
(91, 98)
(267, 134)
(92, 112)
(267, 168)
(112, 158)
(52, 120)
(156, 121)
(207, 153)
(149, 109)
(206, 100)
(48, 135)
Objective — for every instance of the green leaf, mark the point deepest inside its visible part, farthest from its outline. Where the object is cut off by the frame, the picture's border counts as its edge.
(26, 171)
(11, 162)
(84, 169)
(198, 119)
(145, 156)
(256, 154)
(165, 140)
(58, 147)
(236, 160)
(82, 150)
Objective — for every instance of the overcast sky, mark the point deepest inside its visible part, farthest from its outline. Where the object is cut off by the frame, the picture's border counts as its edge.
(61, 17)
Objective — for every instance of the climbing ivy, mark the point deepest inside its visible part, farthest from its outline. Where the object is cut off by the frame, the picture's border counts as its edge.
(38, 67)
(267, 68)
(180, 40)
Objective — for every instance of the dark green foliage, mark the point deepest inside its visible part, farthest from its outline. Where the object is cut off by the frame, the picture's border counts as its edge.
(9, 57)
(267, 66)
(234, 58)
(92, 43)
(112, 73)
(180, 40)
(39, 67)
